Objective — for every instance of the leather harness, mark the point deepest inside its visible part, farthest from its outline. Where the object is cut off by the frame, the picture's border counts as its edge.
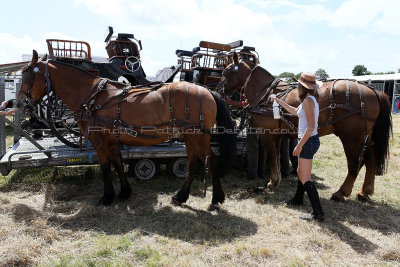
(89, 107)
(263, 110)
(258, 108)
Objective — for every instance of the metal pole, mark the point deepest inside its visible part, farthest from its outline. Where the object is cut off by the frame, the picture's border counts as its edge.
(26, 135)
(394, 94)
(18, 114)
(2, 124)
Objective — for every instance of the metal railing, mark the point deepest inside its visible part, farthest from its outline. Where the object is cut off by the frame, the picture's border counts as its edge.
(69, 49)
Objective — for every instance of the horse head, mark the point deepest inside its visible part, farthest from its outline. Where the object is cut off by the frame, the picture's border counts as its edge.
(33, 87)
(233, 76)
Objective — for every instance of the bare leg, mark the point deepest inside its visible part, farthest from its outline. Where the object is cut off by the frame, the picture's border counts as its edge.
(304, 170)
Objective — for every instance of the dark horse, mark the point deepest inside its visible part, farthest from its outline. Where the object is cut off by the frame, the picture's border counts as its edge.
(357, 114)
(110, 114)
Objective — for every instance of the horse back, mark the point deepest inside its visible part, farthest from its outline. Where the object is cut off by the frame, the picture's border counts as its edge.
(157, 107)
(349, 95)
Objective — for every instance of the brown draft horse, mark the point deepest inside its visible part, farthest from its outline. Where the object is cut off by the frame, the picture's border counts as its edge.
(357, 114)
(154, 116)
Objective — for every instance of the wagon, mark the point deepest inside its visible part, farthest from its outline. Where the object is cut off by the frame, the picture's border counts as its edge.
(123, 64)
(205, 63)
(59, 143)
(60, 147)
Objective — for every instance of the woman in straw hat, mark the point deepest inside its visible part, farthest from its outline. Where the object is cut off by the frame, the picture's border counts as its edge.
(308, 112)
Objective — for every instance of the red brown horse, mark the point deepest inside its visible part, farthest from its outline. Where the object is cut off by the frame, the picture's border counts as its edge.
(136, 117)
(357, 114)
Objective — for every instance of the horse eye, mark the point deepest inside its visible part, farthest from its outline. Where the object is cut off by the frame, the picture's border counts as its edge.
(25, 77)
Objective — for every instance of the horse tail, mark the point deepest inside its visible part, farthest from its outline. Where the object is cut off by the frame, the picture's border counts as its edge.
(225, 135)
(381, 134)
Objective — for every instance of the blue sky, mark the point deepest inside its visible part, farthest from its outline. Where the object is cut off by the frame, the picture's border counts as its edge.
(289, 35)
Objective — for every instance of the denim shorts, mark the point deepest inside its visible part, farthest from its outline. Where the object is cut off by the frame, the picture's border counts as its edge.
(310, 147)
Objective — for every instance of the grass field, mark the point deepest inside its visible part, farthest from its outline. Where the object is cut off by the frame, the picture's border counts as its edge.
(50, 217)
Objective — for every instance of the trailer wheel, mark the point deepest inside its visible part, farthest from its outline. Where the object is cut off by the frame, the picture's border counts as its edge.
(145, 169)
(178, 167)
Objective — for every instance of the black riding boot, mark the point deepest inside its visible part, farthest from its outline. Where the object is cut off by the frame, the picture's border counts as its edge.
(297, 200)
(318, 213)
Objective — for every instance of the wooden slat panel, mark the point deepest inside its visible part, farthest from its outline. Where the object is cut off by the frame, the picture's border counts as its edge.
(216, 46)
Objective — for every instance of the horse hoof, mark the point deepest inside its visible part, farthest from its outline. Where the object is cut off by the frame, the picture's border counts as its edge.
(271, 186)
(106, 200)
(175, 202)
(124, 195)
(362, 198)
(213, 207)
(337, 197)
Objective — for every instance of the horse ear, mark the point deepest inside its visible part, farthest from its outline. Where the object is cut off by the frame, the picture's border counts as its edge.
(35, 58)
(235, 58)
(44, 58)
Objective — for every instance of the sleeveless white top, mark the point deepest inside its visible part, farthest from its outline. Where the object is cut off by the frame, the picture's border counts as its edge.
(303, 124)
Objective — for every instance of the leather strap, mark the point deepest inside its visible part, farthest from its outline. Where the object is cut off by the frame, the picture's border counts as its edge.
(347, 93)
(362, 104)
(332, 101)
(171, 115)
(200, 108)
(186, 104)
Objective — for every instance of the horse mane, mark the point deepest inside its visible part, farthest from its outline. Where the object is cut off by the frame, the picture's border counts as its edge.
(252, 65)
(73, 66)
(117, 84)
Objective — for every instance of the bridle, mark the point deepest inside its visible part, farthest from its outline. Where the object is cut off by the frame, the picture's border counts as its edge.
(242, 92)
(260, 95)
(221, 84)
(28, 101)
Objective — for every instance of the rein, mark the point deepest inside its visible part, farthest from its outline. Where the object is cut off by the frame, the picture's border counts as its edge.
(244, 87)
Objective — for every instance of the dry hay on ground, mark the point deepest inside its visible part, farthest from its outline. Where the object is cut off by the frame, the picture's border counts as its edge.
(51, 217)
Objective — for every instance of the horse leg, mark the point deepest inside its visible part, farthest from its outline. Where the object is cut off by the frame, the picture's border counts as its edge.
(368, 185)
(218, 196)
(183, 194)
(278, 143)
(116, 158)
(352, 149)
(271, 149)
(109, 193)
(101, 146)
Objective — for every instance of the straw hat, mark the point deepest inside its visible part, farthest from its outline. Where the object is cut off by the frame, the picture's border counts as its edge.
(309, 82)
